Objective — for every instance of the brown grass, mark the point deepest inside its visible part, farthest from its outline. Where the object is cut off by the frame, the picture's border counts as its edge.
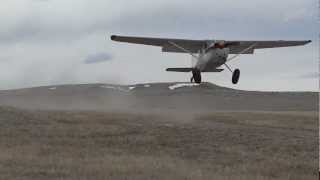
(221, 145)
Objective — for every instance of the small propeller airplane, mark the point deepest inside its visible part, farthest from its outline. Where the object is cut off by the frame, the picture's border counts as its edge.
(208, 55)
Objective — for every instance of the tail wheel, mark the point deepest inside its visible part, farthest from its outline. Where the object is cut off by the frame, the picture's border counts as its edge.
(196, 74)
(235, 76)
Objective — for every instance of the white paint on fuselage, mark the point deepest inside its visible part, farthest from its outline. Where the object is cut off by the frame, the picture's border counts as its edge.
(212, 59)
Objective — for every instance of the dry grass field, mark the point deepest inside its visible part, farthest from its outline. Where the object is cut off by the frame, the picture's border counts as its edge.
(77, 145)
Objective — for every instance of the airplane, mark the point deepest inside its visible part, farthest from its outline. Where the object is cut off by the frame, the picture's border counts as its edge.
(209, 55)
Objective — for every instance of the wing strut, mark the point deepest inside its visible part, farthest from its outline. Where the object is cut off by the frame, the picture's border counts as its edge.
(233, 57)
(183, 49)
(242, 52)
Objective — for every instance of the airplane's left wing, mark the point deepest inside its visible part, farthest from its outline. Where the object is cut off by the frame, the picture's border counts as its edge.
(239, 46)
(191, 45)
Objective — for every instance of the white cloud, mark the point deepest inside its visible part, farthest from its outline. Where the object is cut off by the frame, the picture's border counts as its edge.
(45, 42)
(312, 75)
(98, 58)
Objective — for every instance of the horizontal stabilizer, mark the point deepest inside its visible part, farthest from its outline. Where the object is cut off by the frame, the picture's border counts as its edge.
(190, 69)
(179, 69)
(212, 70)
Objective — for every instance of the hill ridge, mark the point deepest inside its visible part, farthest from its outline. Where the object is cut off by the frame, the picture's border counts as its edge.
(156, 96)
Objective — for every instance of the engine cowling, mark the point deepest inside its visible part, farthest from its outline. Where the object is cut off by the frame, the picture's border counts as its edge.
(217, 45)
(220, 45)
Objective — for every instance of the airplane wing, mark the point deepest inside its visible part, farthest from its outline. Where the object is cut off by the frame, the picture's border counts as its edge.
(194, 46)
(239, 46)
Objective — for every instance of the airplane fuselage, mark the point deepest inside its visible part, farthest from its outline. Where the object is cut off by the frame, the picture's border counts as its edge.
(212, 58)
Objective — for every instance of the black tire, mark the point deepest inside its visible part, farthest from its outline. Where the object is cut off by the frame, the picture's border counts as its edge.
(235, 76)
(196, 76)
(191, 79)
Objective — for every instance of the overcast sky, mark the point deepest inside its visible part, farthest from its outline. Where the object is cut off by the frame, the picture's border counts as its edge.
(48, 42)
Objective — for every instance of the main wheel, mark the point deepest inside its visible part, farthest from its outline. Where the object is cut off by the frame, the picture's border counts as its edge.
(196, 74)
(235, 76)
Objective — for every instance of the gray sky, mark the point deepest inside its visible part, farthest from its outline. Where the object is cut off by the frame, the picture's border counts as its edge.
(47, 42)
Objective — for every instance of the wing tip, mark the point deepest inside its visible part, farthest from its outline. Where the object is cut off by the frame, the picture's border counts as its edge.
(113, 37)
(307, 42)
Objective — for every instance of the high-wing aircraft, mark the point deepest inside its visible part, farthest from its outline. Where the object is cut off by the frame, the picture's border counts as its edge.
(209, 55)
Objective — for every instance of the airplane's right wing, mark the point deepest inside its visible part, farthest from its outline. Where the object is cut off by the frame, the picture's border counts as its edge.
(191, 45)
